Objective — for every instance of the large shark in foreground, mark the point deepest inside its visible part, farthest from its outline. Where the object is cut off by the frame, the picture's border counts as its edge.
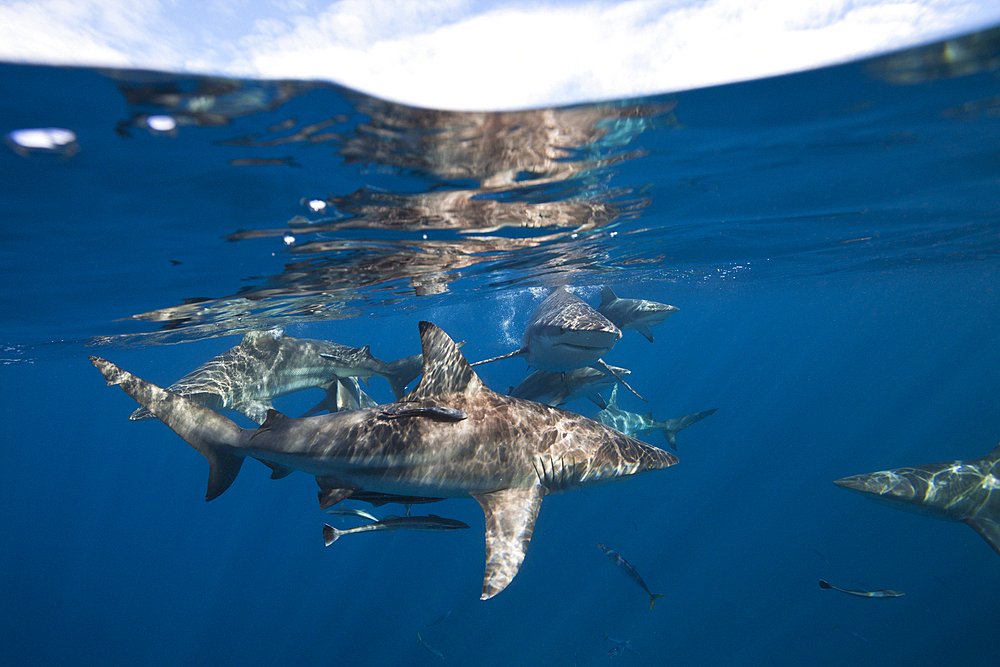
(269, 364)
(450, 437)
(966, 491)
(631, 423)
(564, 334)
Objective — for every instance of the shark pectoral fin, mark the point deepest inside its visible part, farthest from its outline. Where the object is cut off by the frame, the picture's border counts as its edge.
(607, 370)
(598, 400)
(257, 410)
(644, 330)
(988, 529)
(277, 471)
(510, 520)
(329, 493)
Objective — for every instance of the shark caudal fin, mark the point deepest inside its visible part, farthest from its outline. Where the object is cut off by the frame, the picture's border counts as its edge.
(445, 370)
(400, 373)
(653, 597)
(330, 534)
(671, 427)
(215, 437)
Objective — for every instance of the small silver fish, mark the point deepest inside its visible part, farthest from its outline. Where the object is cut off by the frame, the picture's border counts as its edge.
(620, 646)
(881, 593)
(350, 511)
(431, 649)
(630, 571)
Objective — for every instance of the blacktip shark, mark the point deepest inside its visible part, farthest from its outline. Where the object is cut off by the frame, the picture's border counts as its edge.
(564, 334)
(450, 437)
(553, 388)
(631, 423)
(967, 491)
(638, 314)
(269, 364)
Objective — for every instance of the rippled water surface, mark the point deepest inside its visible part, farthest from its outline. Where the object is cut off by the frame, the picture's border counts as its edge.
(831, 240)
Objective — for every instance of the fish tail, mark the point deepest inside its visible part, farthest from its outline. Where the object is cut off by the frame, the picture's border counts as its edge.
(215, 437)
(398, 377)
(653, 597)
(330, 534)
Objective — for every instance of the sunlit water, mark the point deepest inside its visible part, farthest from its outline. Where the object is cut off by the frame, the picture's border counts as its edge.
(831, 239)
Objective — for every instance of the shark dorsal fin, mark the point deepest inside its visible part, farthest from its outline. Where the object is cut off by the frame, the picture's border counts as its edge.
(446, 371)
(607, 296)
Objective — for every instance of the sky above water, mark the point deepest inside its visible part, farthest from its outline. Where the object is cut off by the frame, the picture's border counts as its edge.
(462, 54)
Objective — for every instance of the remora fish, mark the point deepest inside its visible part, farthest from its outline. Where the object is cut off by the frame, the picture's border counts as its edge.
(620, 646)
(391, 524)
(615, 558)
(564, 334)
(266, 365)
(637, 314)
(631, 423)
(966, 491)
(507, 454)
(881, 593)
(553, 388)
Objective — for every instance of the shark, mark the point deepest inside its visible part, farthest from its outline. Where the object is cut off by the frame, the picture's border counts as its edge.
(449, 437)
(638, 314)
(269, 364)
(564, 334)
(967, 491)
(632, 423)
(557, 388)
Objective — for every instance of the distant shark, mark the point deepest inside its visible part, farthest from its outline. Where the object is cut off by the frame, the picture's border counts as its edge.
(631, 423)
(557, 388)
(564, 334)
(637, 314)
(967, 491)
(450, 436)
(269, 364)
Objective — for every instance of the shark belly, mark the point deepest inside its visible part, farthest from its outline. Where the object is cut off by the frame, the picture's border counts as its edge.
(413, 456)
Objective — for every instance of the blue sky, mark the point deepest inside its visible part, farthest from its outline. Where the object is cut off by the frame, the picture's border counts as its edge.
(459, 54)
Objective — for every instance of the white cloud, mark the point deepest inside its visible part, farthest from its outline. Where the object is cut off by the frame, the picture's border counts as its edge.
(455, 54)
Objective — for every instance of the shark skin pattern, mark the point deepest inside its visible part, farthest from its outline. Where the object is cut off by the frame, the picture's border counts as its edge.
(564, 334)
(967, 491)
(266, 365)
(450, 437)
(553, 388)
(638, 314)
(631, 423)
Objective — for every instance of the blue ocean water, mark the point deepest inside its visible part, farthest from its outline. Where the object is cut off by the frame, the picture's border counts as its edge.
(831, 239)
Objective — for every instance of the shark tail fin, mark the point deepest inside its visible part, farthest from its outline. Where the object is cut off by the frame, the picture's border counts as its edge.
(653, 597)
(330, 534)
(398, 374)
(215, 437)
(670, 427)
